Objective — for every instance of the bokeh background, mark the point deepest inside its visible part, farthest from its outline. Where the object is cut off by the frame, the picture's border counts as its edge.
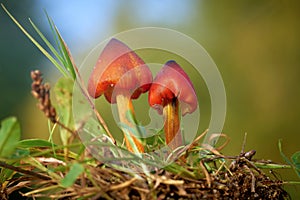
(255, 44)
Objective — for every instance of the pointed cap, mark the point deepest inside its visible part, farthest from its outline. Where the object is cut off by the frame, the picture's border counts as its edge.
(119, 65)
(172, 82)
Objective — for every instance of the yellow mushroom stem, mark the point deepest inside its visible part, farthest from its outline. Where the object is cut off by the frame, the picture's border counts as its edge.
(124, 105)
(172, 124)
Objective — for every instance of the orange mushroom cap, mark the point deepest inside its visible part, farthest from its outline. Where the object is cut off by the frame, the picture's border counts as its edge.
(119, 65)
(172, 82)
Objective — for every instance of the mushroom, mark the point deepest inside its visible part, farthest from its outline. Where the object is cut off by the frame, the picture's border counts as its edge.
(121, 75)
(171, 90)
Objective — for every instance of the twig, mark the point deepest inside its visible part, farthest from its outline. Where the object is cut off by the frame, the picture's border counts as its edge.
(187, 148)
(250, 164)
(225, 143)
(123, 185)
(244, 143)
(253, 180)
(208, 178)
(23, 171)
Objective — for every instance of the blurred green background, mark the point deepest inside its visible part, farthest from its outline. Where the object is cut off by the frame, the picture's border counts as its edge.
(255, 45)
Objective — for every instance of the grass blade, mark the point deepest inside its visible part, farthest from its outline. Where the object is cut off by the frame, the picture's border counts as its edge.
(285, 158)
(53, 50)
(67, 55)
(57, 65)
(63, 49)
(34, 143)
(75, 170)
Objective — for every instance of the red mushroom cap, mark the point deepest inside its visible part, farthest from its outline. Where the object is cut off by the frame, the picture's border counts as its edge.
(119, 65)
(172, 82)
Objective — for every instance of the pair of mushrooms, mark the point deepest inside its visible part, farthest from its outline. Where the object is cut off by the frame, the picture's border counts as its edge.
(121, 75)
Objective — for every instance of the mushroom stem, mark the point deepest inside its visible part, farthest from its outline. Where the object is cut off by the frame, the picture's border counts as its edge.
(124, 105)
(172, 124)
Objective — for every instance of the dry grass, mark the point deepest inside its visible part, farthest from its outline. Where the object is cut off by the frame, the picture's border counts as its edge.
(220, 177)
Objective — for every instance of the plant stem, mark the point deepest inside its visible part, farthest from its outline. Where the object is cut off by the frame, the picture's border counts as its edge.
(124, 105)
(172, 124)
